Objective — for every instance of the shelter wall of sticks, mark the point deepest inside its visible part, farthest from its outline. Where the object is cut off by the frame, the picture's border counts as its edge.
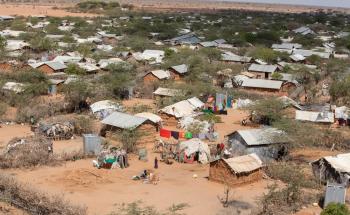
(221, 172)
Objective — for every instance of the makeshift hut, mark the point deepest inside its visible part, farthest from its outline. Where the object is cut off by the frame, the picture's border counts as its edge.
(268, 143)
(178, 72)
(49, 67)
(119, 121)
(262, 85)
(161, 92)
(333, 169)
(170, 114)
(235, 171)
(262, 71)
(156, 76)
(194, 150)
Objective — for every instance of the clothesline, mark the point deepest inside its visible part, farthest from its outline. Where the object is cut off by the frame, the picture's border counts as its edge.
(175, 134)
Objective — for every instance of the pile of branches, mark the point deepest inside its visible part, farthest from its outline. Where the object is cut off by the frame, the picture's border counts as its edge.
(63, 130)
(26, 152)
(34, 202)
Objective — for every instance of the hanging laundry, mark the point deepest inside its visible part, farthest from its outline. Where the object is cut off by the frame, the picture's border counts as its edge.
(165, 133)
(229, 101)
(188, 135)
(175, 134)
(202, 136)
(182, 134)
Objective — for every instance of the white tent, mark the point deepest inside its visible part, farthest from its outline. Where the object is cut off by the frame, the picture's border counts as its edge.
(196, 145)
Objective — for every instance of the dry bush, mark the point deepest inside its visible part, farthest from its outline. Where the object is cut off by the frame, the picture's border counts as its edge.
(34, 152)
(83, 125)
(34, 202)
(38, 109)
(287, 172)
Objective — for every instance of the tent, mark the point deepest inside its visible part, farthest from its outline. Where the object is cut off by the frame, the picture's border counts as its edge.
(195, 145)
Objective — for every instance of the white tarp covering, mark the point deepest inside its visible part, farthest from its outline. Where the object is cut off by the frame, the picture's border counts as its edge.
(196, 145)
(103, 105)
(150, 116)
(340, 162)
(104, 108)
(183, 108)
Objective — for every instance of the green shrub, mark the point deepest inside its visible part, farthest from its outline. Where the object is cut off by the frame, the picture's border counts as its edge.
(335, 209)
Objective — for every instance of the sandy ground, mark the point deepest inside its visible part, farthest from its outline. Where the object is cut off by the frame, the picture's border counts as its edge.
(7, 132)
(32, 10)
(102, 189)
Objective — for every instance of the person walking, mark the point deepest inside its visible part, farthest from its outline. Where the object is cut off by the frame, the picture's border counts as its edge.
(156, 163)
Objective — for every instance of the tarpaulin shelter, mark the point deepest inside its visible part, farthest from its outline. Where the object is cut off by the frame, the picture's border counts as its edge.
(195, 147)
(104, 108)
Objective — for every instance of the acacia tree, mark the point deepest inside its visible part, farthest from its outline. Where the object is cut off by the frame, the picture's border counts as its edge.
(76, 93)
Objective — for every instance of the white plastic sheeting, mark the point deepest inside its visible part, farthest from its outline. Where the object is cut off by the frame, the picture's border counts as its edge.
(196, 145)
(183, 108)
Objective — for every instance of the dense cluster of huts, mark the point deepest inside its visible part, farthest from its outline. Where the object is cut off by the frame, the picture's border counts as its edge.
(246, 151)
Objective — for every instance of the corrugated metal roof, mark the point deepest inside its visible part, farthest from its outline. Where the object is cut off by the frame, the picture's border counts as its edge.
(220, 41)
(262, 136)
(67, 59)
(150, 116)
(308, 53)
(55, 65)
(287, 46)
(189, 38)
(166, 92)
(325, 117)
(88, 67)
(229, 56)
(182, 69)
(208, 44)
(304, 30)
(262, 83)
(245, 163)
(123, 120)
(161, 74)
(334, 193)
(262, 68)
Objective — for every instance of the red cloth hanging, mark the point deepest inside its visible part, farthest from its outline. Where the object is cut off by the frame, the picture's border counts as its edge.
(188, 159)
(165, 133)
